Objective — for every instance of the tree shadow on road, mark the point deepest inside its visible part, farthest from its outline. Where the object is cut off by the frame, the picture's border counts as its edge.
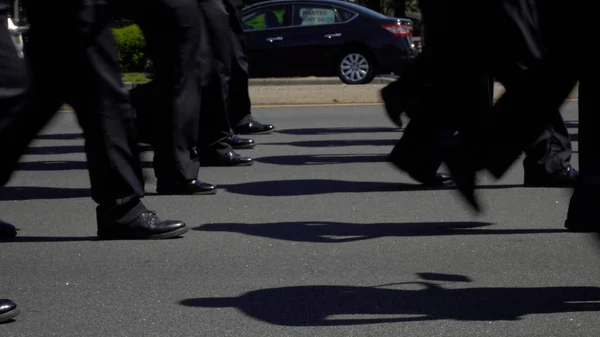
(340, 232)
(334, 305)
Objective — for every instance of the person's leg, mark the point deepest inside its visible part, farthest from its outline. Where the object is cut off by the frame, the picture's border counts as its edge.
(172, 100)
(214, 59)
(90, 78)
(239, 106)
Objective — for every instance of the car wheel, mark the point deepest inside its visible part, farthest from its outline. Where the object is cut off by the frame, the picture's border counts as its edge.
(355, 68)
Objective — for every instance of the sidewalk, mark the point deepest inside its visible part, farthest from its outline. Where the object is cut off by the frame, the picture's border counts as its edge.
(326, 91)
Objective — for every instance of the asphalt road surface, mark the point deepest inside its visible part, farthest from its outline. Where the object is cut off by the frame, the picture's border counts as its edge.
(321, 237)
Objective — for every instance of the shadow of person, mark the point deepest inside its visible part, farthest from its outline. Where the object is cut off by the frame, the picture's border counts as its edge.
(337, 143)
(326, 305)
(336, 130)
(277, 188)
(33, 192)
(322, 159)
(339, 232)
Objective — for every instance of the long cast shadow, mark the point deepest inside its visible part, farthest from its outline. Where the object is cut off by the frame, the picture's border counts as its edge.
(55, 149)
(53, 239)
(340, 232)
(338, 143)
(340, 130)
(61, 136)
(295, 187)
(55, 165)
(322, 159)
(31, 193)
(327, 305)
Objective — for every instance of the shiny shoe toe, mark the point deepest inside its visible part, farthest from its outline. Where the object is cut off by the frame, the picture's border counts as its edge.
(237, 142)
(195, 186)
(8, 310)
(231, 158)
(254, 127)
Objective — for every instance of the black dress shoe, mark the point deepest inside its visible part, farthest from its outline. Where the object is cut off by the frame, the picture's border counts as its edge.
(237, 142)
(418, 174)
(8, 310)
(463, 170)
(188, 187)
(230, 159)
(7, 231)
(146, 226)
(393, 105)
(253, 127)
(564, 178)
(583, 216)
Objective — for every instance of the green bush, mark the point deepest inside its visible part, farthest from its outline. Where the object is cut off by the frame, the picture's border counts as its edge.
(131, 44)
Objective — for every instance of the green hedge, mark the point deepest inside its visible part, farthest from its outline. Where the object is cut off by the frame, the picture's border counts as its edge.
(131, 44)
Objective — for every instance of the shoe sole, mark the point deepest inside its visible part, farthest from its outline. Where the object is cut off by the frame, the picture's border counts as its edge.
(161, 236)
(9, 315)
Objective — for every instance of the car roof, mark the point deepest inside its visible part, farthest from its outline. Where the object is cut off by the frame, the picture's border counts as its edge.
(340, 3)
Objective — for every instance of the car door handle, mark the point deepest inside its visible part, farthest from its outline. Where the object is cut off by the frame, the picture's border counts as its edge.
(329, 36)
(271, 39)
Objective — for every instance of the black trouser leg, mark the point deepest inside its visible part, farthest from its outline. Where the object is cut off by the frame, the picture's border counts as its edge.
(19, 123)
(239, 104)
(86, 74)
(214, 61)
(172, 33)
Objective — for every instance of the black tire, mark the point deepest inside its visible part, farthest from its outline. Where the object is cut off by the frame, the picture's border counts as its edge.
(355, 67)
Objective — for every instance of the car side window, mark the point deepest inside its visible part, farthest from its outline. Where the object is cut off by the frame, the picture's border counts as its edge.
(344, 14)
(268, 18)
(313, 15)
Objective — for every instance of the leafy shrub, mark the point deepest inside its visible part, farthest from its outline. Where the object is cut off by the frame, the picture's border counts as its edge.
(131, 43)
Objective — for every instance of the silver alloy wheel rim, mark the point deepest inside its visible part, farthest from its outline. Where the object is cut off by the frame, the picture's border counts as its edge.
(355, 67)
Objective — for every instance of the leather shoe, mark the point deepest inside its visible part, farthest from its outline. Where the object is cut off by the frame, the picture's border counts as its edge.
(187, 187)
(582, 216)
(237, 142)
(564, 178)
(463, 170)
(427, 179)
(145, 226)
(393, 106)
(8, 310)
(7, 231)
(253, 127)
(231, 158)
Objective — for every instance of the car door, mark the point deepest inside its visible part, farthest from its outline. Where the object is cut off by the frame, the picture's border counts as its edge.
(265, 32)
(319, 31)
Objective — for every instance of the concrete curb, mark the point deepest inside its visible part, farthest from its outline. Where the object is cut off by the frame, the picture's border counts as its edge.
(313, 81)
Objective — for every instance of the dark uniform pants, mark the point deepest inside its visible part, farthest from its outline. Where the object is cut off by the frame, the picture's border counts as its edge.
(73, 60)
(171, 102)
(239, 105)
(214, 65)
